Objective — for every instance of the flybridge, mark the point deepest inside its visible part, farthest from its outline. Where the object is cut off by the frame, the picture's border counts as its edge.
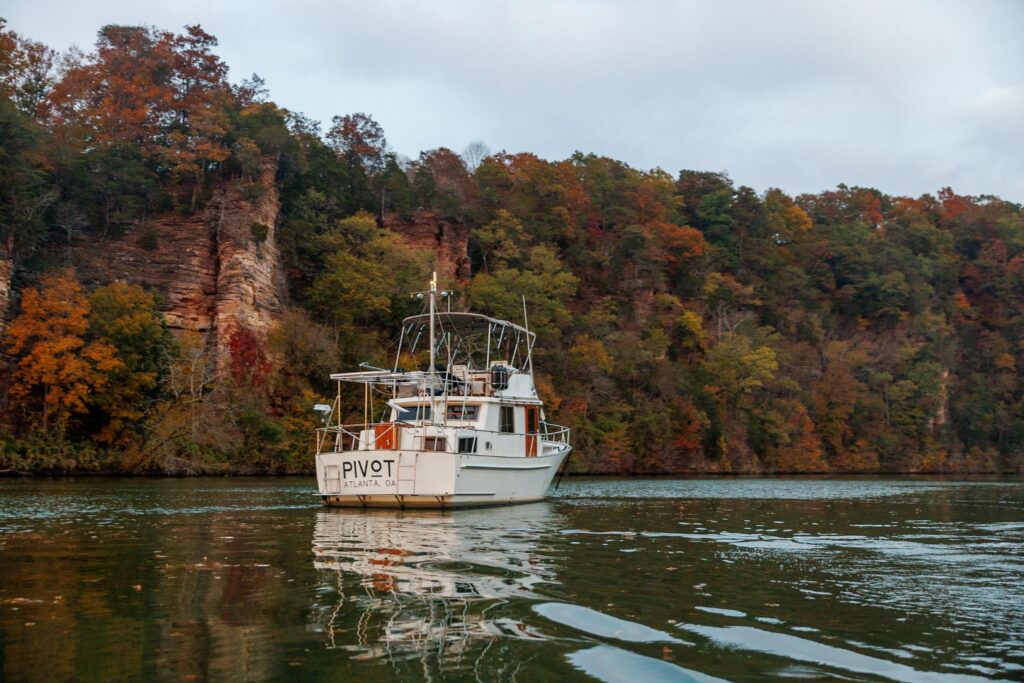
(467, 430)
(468, 339)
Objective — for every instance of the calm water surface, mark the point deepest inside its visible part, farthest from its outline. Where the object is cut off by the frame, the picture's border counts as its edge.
(675, 580)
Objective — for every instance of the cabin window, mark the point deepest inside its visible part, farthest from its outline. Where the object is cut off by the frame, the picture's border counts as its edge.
(435, 443)
(506, 420)
(467, 444)
(467, 413)
(413, 413)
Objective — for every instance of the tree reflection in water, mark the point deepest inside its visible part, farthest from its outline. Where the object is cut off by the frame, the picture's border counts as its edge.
(426, 585)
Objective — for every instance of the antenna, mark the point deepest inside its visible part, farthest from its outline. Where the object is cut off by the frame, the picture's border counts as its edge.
(432, 294)
(529, 345)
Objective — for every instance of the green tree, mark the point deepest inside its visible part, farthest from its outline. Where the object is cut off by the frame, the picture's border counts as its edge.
(126, 318)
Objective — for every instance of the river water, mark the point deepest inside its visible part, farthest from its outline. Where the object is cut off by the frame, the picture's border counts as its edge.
(608, 580)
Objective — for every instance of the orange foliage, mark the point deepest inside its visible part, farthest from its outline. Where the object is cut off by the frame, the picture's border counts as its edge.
(803, 452)
(678, 243)
(164, 93)
(905, 207)
(57, 369)
(870, 207)
(953, 205)
(688, 427)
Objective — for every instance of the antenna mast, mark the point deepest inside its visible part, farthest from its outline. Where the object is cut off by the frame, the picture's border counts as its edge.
(529, 344)
(432, 294)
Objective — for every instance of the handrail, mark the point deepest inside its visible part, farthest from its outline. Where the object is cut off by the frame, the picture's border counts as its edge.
(353, 433)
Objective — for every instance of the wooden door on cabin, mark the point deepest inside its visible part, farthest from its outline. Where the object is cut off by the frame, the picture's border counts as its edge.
(532, 429)
(385, 436)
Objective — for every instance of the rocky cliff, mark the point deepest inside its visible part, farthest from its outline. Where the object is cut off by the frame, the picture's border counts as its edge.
(219, 269)
(214, 271)
(447, 238)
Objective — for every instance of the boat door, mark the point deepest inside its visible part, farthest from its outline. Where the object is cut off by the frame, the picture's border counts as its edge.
(532, 429)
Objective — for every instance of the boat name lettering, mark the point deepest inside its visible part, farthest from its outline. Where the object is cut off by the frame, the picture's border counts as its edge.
(367, 468)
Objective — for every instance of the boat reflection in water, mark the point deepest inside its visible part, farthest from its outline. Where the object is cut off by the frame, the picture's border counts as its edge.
(429, 585)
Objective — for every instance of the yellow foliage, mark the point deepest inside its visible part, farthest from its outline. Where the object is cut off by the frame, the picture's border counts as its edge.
(589, 351)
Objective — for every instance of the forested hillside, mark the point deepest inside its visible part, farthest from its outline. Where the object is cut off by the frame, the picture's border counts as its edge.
(685, 324)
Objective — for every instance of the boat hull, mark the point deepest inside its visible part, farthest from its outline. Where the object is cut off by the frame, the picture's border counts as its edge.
(426, 479)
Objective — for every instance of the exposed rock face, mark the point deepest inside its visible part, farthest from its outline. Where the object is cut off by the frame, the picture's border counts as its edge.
(250, 286)
(448, 239)
(6, 273)
(214, 271)
(219, 269)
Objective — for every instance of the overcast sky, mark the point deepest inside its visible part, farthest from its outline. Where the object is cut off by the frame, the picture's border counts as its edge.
(901, 95)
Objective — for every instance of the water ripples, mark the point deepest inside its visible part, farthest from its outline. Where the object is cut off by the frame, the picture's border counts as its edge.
(615, 580)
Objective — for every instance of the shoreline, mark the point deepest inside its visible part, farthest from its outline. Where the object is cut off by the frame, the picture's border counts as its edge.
(1001, 475)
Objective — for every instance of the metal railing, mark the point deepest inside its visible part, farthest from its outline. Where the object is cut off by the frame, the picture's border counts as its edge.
(364, 436)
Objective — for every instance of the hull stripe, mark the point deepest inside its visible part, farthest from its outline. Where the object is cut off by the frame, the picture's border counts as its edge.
(472, 466)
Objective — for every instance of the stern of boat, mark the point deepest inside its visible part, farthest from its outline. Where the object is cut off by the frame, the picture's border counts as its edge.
(410, 479)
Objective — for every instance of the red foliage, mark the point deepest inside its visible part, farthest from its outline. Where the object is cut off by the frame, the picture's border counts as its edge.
(249, 363)
(953, 205)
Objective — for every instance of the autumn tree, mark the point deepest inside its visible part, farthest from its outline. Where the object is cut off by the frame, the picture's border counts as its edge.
(249, 362)
(58, 369)
(160, 94)
(359, 138)
(26, 70)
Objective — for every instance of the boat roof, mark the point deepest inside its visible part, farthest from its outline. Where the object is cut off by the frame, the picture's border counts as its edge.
(417, 377)
(467, 324)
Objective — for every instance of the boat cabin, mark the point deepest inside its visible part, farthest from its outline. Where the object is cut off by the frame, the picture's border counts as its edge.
(477, 395)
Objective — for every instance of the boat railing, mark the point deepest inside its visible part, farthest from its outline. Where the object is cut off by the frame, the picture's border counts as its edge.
(367, 435)
(554, 433)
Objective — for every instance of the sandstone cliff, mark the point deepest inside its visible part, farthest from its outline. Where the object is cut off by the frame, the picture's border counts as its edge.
(219, 269)
(447, 238)
(214, 271)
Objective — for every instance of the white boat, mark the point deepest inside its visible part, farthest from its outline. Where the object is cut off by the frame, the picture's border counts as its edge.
(469, 430)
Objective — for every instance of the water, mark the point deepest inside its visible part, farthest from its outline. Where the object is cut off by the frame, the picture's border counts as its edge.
(640, 580)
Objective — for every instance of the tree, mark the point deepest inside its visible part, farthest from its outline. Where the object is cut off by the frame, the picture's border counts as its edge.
(363, 288)
(834, 402)
(359, 138)
(162, 94)
(26, 70)
(736, 367)
(26, 192)
(474, 154)
(451, 187)
(126, 318)
(57, 368)
(546, 285)
(796, 447)
(500, 242)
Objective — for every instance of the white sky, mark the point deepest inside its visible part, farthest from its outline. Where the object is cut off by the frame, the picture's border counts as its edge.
(903, 95)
